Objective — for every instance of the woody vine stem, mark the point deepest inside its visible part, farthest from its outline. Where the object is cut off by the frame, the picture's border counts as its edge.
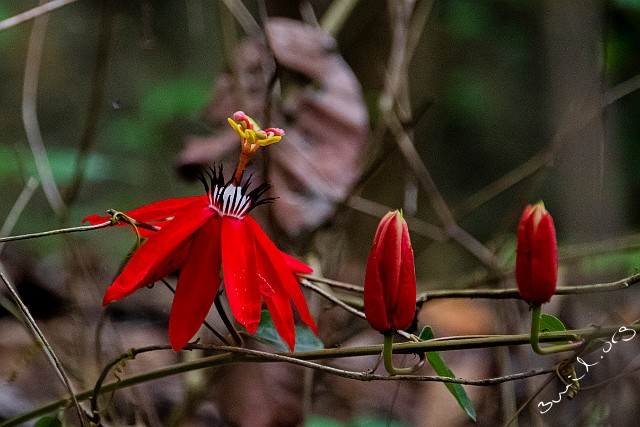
(227, 354)
(230, 355)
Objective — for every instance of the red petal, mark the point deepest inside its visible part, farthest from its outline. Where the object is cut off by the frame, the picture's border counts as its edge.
(152, 212)
(96, 219)
(276, 298)
(197, 286)
(523, 262)
(374, 307)
(155, 254)
(288, 280)
(164, 209)
(390, 253)
(175, 261)
(544, 261)
(282, 315)
(239, 269)
(376, 280)
(406, 300)
(296, 267)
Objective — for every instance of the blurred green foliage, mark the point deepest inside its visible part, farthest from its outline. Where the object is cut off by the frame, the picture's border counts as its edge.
(480, 90)
(154, 93)
(316, 421)
(478, 86)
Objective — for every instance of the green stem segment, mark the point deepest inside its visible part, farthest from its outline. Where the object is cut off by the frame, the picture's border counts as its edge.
(387, 355)
(535, 336)
(454, 343)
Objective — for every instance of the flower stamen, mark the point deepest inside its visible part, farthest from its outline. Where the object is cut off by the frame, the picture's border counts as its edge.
(252, 138)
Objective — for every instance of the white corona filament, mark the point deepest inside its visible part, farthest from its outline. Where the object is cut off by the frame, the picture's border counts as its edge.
(229, 200)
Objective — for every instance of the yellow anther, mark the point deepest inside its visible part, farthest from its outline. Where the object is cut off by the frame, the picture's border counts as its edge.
(252, 138)
(237, 127)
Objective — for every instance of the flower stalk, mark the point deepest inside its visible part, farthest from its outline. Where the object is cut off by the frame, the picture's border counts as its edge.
(387, 357)
(535, 336)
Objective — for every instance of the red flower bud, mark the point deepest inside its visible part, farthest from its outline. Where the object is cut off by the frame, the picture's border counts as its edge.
(536, 255)
(390, 281)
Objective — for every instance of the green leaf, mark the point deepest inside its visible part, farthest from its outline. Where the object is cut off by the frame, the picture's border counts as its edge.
(306, 340)
(549, 323)
(441, 369)
(48, 422)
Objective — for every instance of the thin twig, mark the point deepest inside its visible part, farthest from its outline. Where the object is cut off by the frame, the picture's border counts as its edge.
(401, 348)
(336, 15)
(55, 362)
(421, 15)
(378, 210)
(17, 208)
(534, 167)
(580, 251)
(232, 354)
(30, 115)
(306, 283)
(34, 13)
(397, 66)
(621, 90)
(501, 185)
(129, 355)
(334, 283)
(227, 322)
(510, 293)
(54, 232)
(95, 100)
(369, 376)
(529, 400)
(7, 228)
(244, 17)
(513, 293)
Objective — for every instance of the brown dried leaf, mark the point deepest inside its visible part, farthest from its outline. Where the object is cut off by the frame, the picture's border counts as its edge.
(321, 109)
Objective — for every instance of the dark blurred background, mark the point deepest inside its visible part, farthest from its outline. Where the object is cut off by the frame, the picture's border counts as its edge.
(506, 103)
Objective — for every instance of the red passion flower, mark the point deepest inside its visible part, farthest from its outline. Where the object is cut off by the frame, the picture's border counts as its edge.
(536, 255)
(390, 281)
(200, 235)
